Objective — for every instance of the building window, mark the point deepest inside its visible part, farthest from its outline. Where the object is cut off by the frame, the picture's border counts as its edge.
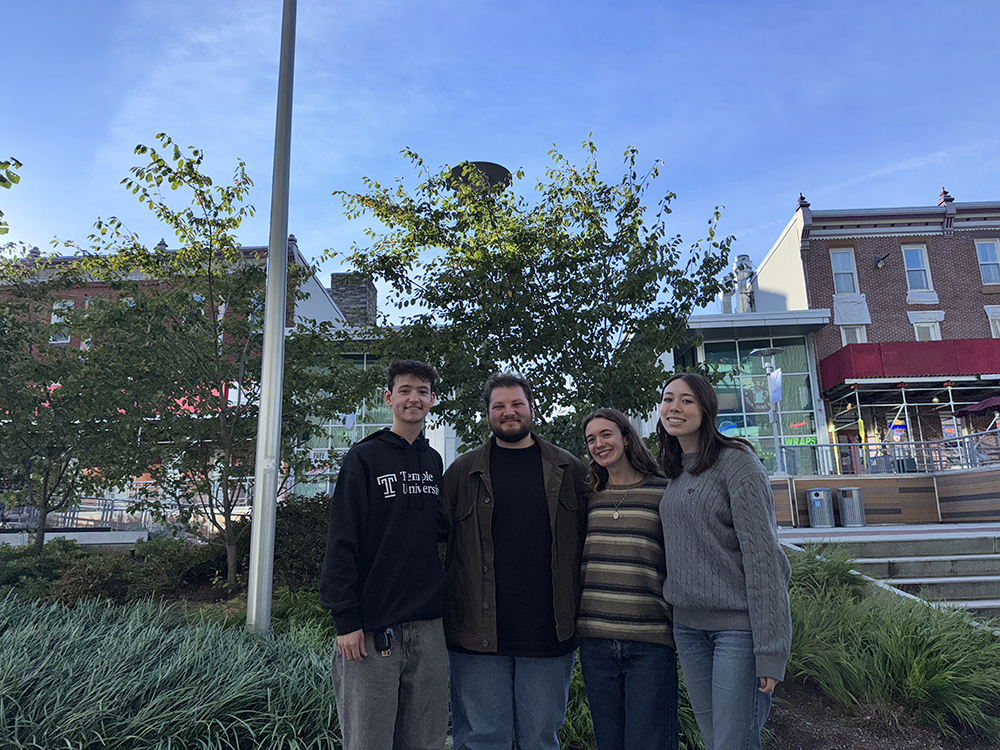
(918, 275)
(993, 315)
(927, 331)
(845, 275)
(60, 332)
(989, 261)
(926, 325)
(853, 335)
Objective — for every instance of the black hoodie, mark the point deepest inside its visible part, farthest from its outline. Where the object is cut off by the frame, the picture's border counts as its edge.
(382, 565)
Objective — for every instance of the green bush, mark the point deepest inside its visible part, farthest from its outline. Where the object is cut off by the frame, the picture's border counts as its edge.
(297, 613)
(885, 649)
(175, 564)
(138, 677)
(161, 567)
(300, 541)
(23, 570)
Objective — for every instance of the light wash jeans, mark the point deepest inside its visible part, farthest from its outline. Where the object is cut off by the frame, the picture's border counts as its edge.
(632, 688)
(720, 672)
(502, 701)
(398, 701)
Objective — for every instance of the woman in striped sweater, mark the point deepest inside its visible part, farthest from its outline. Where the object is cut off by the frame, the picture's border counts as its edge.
(626, 648)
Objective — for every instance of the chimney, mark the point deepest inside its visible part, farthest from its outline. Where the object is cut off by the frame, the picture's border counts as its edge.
(948, 225)
(356, 296)
(744, 294)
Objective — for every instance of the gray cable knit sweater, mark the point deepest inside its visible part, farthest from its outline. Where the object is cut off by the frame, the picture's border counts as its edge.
(725, 567)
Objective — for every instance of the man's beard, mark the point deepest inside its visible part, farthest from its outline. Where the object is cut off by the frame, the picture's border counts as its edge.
(512, 435)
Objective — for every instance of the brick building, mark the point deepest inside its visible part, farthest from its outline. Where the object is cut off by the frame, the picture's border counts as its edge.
(350, 300)
(915, 300)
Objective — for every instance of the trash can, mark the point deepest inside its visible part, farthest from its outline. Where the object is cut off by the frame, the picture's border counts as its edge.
(820, 501)
(852, 507)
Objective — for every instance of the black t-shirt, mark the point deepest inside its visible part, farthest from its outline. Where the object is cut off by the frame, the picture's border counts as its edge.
(522, 556)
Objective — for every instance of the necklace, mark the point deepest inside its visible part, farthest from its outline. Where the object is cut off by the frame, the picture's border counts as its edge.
(618, 503)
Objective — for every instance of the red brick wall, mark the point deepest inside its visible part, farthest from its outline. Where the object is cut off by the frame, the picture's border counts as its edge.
(954, 271)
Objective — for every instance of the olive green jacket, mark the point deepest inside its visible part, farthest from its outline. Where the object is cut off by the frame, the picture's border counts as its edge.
(467, 504)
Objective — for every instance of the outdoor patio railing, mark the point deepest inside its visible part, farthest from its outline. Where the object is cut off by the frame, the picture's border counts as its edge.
(965, 452)
(92, 513)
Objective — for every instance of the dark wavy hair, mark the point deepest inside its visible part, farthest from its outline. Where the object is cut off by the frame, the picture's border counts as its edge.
(710, 440)
(507, 380)
(635, 450)
(419, 370)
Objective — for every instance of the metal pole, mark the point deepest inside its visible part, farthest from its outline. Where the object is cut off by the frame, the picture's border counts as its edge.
(269, 421)
(775, 415)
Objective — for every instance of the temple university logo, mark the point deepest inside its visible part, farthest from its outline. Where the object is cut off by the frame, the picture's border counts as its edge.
(388, 482)
(408, 483)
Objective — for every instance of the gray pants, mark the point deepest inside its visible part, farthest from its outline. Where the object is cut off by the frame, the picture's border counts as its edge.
(395, 702)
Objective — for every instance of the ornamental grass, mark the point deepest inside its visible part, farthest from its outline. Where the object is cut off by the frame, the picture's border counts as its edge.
(139, 676)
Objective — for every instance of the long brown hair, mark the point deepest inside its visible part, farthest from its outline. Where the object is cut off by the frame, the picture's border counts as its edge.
(635, 450)
(710, 440)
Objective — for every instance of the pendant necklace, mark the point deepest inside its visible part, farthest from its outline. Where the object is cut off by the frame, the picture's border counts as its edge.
(618, 504)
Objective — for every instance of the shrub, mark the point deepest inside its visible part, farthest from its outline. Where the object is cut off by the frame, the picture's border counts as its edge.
(23, 570)
(300, 541)
(884, 649)
(297, 613)
(161, 567)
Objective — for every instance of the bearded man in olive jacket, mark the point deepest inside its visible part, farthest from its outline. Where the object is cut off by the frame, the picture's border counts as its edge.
(517, 510)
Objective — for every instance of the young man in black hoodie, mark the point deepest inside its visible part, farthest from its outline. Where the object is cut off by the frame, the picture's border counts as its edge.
(383, 582)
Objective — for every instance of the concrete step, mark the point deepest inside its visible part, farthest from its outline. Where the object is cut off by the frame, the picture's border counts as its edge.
(934, 566)
(873, 547)
(950, 588)
(984, 609)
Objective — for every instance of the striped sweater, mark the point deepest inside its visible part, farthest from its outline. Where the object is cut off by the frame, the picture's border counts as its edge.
(623, 566)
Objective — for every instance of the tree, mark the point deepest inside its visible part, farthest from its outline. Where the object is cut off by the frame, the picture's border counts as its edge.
(178, 338)
(54, 423)
(8, 177)
(582, 290)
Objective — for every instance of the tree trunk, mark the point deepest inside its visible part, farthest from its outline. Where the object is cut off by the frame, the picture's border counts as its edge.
(231, 563)
(43, 517)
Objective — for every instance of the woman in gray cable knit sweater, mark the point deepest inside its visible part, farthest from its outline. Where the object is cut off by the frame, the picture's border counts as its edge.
(726, 576)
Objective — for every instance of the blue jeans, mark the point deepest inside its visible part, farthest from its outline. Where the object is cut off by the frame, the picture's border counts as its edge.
(720, 672)
(500, 701)
(632, 689)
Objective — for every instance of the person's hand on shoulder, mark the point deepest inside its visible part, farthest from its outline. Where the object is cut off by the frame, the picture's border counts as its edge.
(352, 645)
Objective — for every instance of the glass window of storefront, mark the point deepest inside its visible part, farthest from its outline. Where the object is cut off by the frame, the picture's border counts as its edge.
(331, 439)
(744, 399)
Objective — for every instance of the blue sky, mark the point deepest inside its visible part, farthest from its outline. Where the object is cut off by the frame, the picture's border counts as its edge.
(856, 104)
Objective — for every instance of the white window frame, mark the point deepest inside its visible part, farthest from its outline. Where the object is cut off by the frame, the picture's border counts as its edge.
(919, 296)
(854, 271)
(996, 254)
(993, 315)
(58, 319)
(932, 329)
(860, 333)
(925, 268)
(929, 321)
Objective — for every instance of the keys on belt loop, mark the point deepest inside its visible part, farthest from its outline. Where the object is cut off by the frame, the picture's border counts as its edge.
(383, 640)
